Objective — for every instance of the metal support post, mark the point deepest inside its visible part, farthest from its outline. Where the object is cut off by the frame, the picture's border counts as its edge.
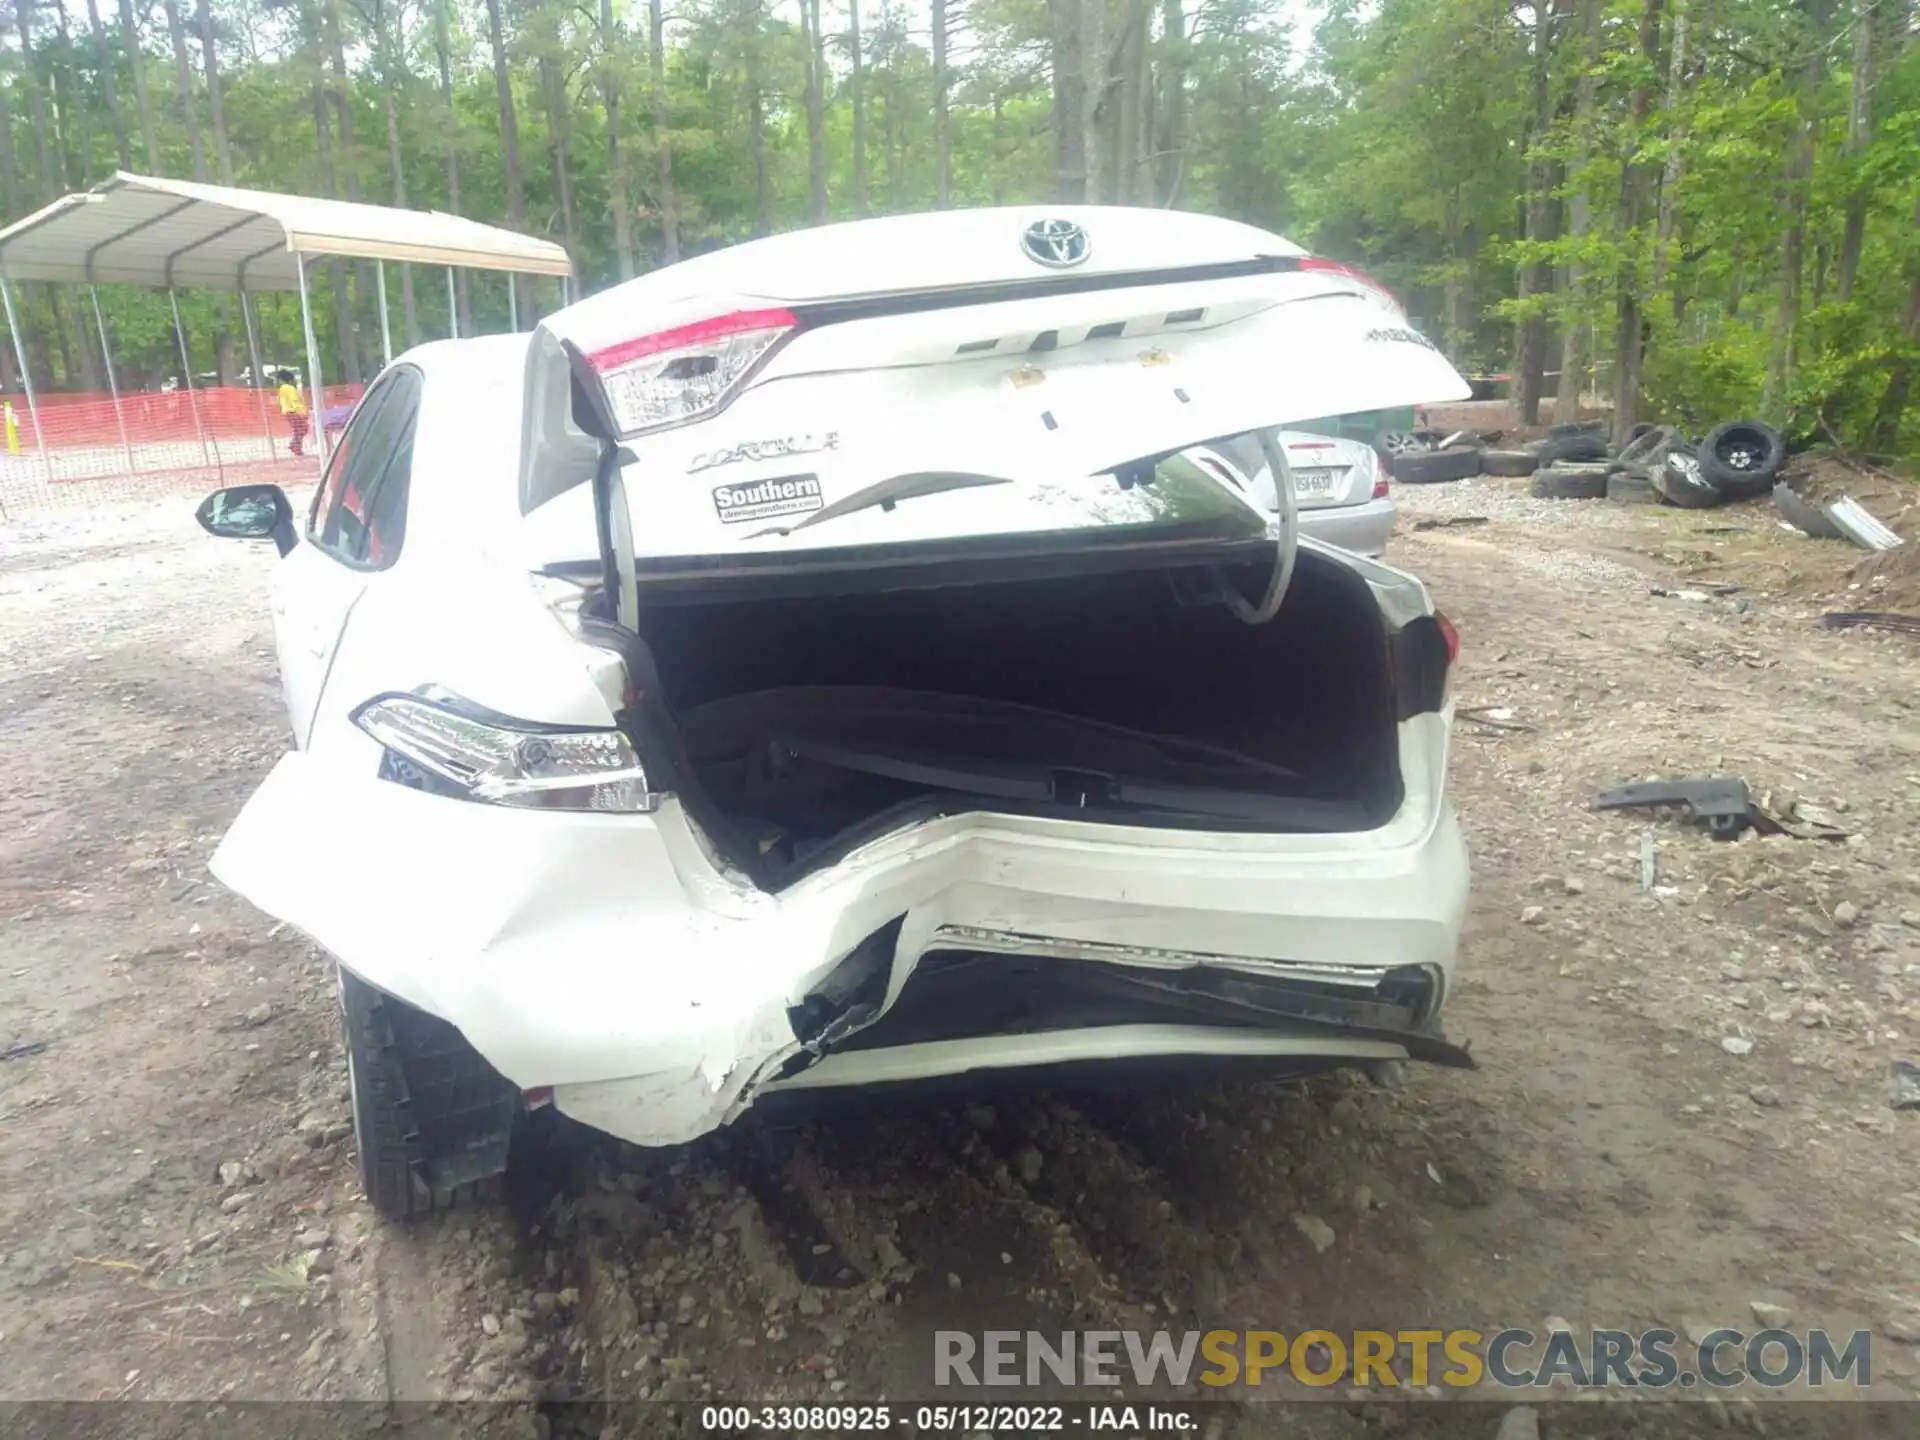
(113, 384)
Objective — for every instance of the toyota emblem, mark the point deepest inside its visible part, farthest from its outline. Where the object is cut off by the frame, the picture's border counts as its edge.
(1056, 243)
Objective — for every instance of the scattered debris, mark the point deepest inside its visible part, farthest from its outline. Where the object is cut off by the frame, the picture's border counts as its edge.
(1646, 862)
(1721, 803)
(1906, 1085)
(21, 1049)
(1319, 1234)
(1497, 717)
(1448, 522)
(1870, 620)
(1724, 806)
(1736, 1044)
(1858, 525)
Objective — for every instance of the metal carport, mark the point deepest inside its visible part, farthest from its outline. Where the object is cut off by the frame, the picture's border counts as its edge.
(144, 230)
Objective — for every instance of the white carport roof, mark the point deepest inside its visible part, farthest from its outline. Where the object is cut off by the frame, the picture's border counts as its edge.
(141, 230)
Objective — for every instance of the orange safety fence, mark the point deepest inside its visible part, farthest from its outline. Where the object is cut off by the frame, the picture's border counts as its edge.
(154, 442)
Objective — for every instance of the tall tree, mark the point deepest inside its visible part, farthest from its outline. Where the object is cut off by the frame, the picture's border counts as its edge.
(1636, 184)
(389, 44)
(509, 138)
(1859, 136)
(1536, 272)
(857, 97)
(619, 206)
(662, 140)
(450, 117)
(143, 99)
(1067, 59)
(553, 89)
(816, 65)
(183, 89)
(942, 118)
(1575, 353)
(109, 86)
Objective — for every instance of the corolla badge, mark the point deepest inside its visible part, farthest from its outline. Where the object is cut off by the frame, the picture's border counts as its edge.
(1056, 243)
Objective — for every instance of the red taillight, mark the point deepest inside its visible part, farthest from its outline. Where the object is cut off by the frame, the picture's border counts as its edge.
(1318, 264)
(684, 337)
(1380, 488)
(1448, 634)
(672, 376)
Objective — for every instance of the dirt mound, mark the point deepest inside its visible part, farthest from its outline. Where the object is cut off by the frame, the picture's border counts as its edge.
(1892, 579)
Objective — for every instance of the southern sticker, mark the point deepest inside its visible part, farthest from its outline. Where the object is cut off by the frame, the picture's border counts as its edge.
(764, 499)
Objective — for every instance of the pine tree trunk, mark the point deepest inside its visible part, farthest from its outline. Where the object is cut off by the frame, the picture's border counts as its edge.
(857, 87)
(1177, 51)
(443, 54)
(1797, 188)
(942, 117)
(183, 86)
(109, 86)
(1883, 435)
(662, 140)
(509, 139)
(223, 338)
(1859, 136)
(1670, 175)
(1536, 275)
(553, 90)
(347, 347)
(391, 67)
(1575, 353)
(618, 205)
(1629, 340)
(1067, 57)
(816, 65)
(143, 99)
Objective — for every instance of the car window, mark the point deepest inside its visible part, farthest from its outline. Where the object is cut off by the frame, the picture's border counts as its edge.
(360, 514)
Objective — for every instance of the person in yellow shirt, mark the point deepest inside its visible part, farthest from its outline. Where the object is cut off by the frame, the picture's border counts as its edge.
(294, 408)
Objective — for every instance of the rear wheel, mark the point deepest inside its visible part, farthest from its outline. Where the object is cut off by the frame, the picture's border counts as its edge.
(432, 1120)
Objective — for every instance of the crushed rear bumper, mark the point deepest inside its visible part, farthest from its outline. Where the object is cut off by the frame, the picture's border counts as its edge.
(608, 957)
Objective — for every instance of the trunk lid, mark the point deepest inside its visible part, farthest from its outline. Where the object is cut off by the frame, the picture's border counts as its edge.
(988, 396)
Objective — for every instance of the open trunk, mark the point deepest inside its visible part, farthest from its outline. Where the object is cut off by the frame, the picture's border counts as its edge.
(812, 724)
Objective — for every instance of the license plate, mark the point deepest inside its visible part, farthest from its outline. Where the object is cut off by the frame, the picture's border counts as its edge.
(1317, 484)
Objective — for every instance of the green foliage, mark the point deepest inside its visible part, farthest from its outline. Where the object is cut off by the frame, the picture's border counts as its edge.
(1400, 134)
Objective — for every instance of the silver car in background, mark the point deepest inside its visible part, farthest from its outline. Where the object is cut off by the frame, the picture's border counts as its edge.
(1338, 486)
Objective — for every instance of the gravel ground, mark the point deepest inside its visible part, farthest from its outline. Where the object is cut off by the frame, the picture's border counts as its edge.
(1681, 1111)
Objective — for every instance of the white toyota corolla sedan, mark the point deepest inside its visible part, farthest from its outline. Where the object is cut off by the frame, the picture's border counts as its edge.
(853, 659)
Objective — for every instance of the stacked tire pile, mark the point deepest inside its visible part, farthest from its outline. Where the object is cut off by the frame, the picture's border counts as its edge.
(1659, 465)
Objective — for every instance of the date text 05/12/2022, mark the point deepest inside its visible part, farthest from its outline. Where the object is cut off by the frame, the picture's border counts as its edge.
(961, 1419)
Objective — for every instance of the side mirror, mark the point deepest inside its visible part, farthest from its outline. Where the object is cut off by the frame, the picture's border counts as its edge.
(249, 512)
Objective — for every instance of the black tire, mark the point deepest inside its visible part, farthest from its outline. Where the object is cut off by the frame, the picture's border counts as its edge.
(1571, 447)
(1577, 427)
(432, 1120)
(1632, 486)
(1508, 463)
(1650, 447)
(1680, 483)
(1585, 482)
(1435, 467)
(1805, 516)
(1742, 459)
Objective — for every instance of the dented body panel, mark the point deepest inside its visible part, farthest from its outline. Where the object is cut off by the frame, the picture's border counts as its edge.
(622, 959)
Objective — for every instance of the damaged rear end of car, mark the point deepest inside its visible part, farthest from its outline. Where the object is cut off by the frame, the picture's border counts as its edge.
(968, 708)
